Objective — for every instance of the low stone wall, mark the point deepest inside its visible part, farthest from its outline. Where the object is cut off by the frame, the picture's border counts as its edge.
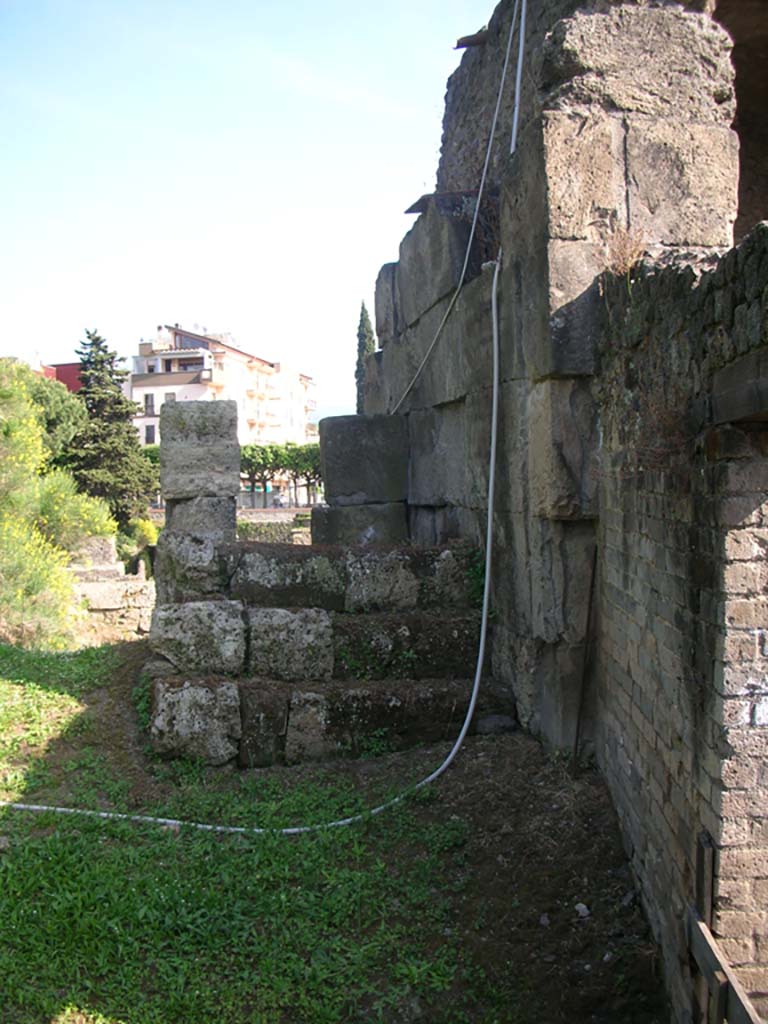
(118, 606)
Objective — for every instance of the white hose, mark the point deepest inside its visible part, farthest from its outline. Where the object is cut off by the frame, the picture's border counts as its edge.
(146, 819)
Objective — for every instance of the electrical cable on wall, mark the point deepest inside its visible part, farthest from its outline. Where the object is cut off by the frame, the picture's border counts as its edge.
(363, 816)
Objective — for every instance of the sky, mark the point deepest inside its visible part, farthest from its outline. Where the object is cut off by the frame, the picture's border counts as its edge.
(239, 165)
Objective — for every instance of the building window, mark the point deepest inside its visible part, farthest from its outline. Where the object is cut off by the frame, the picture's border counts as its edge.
(149, 405)
(168, 365)
(149, 434)
(169, 396)
(150, 367)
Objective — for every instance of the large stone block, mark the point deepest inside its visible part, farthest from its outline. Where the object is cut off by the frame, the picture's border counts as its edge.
(380, 580)
(199, 452)
(683, 181)
(410, 578)
(365, 459)
(333, 720)
(103, 595)
(663, 62)
(264, 712)
(285, 575)
(186, 568)
(562, 466)
(196, 718)
(584, 159)
(360, 525)
(205, 423)
(212, 517)
(405, 645)
(431, 258)
(290, 645)
(95, 551)
(201, 636)
(437, 466)
(388, 316)
(307, 737)
(559, 562)
(575, 311)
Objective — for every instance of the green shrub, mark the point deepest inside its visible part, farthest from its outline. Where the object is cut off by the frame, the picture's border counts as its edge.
(65, 517)
(37, 604)
(267, 533)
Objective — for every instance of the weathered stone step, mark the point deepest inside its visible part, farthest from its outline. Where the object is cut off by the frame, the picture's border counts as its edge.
(98, 573)
(333, 578)
(263, 722)
(313, 644)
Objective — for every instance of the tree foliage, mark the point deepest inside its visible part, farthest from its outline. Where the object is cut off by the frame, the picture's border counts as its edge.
(263, 463)
(260, 463)
(41, 518)
(105, 456)
(60, 413)
(366, 344)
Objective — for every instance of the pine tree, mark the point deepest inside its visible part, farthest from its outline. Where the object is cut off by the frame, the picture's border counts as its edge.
(105, 456)
(366, 343)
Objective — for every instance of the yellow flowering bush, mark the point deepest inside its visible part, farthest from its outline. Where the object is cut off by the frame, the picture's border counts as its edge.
(65, 516)
(37, 603)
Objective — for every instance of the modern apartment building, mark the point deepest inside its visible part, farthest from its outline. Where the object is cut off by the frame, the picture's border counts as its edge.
(274, 404)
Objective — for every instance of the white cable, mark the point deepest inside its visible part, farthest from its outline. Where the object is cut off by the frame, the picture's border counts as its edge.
(480, 191)
(518, 78)
(353, 819)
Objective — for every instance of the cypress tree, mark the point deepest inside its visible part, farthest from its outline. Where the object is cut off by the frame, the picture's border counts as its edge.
(366, 343)
(105, 456)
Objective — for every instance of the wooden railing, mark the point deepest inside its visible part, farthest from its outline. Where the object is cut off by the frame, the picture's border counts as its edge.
(719, 996)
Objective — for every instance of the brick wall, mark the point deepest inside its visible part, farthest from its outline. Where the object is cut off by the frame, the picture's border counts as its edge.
(682, 694)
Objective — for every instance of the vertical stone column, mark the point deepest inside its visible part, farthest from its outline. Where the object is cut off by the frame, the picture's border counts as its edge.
(365, 477)
(193, 626)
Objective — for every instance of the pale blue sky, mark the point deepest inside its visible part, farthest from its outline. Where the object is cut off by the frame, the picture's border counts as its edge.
(242, 165)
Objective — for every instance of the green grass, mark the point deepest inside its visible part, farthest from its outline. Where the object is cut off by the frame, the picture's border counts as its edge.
(112, 923)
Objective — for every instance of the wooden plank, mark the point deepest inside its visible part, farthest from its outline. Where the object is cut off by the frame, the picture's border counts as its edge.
(718, 999)
(710, 961)
(705, 877)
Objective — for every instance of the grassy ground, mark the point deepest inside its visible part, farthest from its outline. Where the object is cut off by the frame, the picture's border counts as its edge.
(457, 907)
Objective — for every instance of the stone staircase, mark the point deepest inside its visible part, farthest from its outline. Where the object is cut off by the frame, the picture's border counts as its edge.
(275, 653)
(317, 651)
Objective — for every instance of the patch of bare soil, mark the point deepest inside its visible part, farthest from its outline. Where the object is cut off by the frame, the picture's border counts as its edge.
(541, 898)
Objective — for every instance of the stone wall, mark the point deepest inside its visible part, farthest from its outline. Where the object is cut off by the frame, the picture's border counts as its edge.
(631, 408)
(682, 696)
(117, 606)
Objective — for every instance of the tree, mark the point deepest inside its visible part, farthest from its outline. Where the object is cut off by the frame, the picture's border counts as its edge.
(366, 344)
(260, 463)
(42, 517)
(312, 472)
(60, 413)
(105, 456)
(293, 464)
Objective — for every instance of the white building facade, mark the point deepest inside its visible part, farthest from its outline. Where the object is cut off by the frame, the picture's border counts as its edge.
(274, 404)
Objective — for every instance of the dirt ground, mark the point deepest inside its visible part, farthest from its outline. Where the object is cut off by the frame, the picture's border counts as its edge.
(542, 899)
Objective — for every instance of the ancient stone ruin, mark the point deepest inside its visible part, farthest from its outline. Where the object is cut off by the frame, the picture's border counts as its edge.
(633, 439)
(273, 653)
